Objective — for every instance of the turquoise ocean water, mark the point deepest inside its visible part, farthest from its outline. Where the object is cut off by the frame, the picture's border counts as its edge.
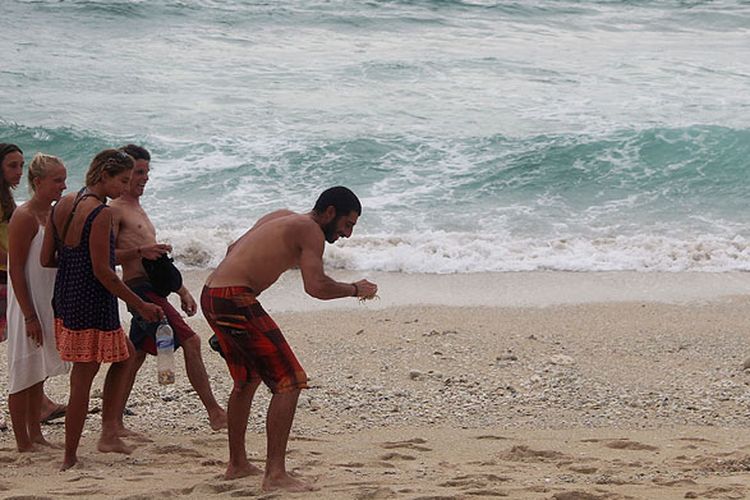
(480, 135)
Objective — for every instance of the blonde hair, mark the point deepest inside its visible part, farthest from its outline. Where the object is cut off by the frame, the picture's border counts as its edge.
(39, 168)
(111, 161)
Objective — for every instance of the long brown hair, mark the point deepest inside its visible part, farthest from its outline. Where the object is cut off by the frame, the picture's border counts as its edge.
(7, 203)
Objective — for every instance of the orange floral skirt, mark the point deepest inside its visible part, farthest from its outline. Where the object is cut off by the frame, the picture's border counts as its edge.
(85, 346)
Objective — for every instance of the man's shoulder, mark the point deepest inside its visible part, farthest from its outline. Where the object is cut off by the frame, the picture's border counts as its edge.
(123, 206)
(298, 221)
(307, 231)
(283, 213)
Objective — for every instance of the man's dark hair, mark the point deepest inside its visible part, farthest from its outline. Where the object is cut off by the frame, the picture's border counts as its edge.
(342, 199)
(137, 152)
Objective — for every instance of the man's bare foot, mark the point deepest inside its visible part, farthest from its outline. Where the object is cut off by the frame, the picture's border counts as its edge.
(114, 445)
(286, 483)
(217, 419)
(236, 472)
(68, 463)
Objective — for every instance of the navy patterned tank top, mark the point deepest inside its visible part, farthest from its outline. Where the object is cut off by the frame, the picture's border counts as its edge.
(80, 300)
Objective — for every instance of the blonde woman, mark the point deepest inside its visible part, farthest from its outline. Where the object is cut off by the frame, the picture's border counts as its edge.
(32, 354)
(79, 241)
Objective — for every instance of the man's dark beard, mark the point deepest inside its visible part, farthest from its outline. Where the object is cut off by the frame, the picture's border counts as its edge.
(329, 230)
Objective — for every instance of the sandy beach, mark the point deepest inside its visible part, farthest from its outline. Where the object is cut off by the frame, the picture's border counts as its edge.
(518, 385)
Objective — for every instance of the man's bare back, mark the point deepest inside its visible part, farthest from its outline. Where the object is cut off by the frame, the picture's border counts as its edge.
(273, 245)
(284, 239)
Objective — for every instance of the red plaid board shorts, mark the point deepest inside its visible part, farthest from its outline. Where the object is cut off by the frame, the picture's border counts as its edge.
(250, 340)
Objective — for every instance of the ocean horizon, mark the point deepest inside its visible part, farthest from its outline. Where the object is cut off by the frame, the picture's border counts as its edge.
(481, 136)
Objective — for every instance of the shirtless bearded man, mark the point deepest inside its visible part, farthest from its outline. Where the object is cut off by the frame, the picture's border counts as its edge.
(252, 344)
(136, 239)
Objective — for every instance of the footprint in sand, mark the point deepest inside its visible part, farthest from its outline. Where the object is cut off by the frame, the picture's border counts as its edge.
(626, 444)
(396, 456)
(350, 465)
(135, 479)
(726, 462)
(80, 492)
(209, 441)
(438, 497)
(578, 495)
(411, 444)
(376, 493)
(213, 488)
(523, 453)
(483, 463)
(83, 477)
(696, 440)
(385, 465)
(311, 463)
(583, 469)
(677, 483)
(28, 497)
(474, 481)
(487, 493)
(724, 492)
(173, 449)
(213, 462)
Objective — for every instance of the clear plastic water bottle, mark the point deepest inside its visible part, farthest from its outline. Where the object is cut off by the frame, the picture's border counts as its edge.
(165, 353)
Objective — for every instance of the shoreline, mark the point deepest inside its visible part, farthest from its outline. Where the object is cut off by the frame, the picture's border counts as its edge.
(507, 289)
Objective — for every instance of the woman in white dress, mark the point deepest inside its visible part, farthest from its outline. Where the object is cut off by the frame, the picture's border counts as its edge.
(32, 353)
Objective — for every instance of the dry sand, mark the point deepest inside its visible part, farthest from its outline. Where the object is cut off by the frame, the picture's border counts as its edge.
(527, 385)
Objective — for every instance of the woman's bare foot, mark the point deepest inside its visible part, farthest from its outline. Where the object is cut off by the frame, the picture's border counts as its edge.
(236, 472)
(114, 445)
(218, 419)
(286, 483)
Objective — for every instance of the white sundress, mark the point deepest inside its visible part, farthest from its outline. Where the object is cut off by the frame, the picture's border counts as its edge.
(29, 364)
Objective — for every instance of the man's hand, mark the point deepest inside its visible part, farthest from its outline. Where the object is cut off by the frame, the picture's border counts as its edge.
(366, 289)
(153, 252)
(187, 302)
